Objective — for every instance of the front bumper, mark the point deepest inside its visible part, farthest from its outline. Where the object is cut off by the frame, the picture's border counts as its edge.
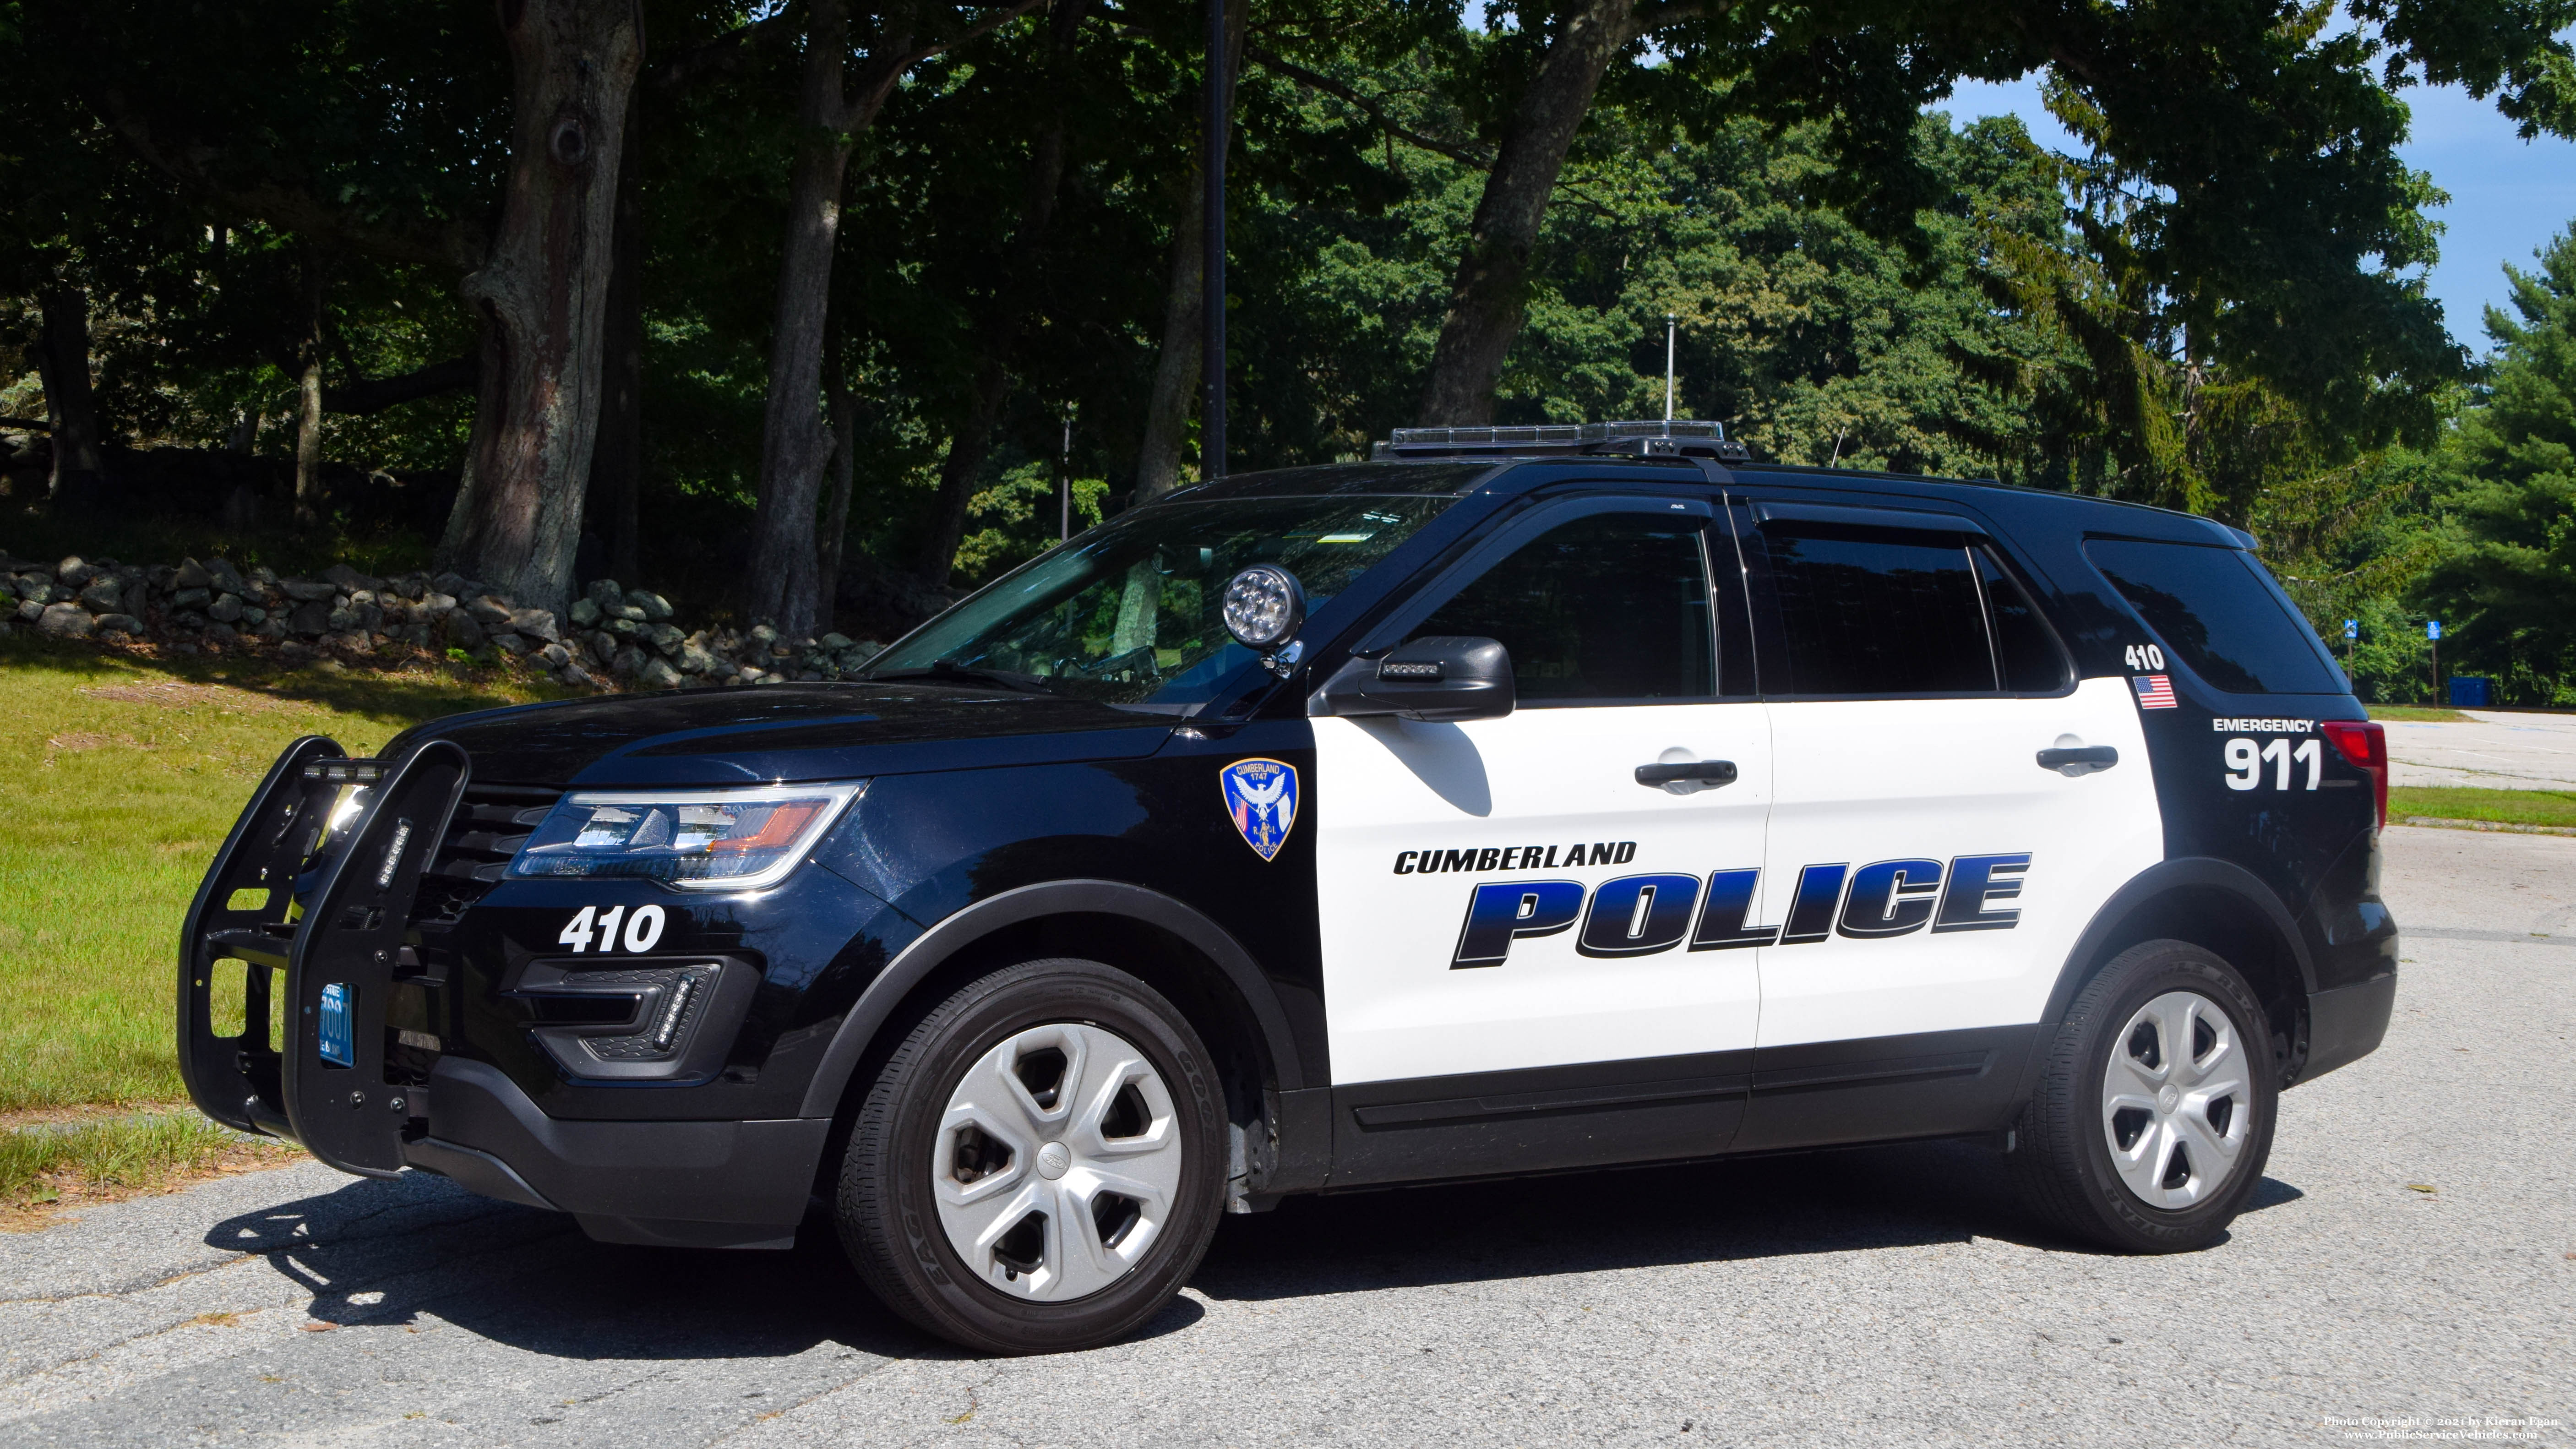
(680, 1184)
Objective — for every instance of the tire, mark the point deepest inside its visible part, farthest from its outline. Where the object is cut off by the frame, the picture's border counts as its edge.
(2135, 1146)
(1040, 1163)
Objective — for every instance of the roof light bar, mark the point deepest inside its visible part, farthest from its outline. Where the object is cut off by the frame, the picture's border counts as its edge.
(1656, 439)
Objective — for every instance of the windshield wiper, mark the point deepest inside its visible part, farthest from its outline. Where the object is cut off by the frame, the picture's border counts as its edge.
(947, 671)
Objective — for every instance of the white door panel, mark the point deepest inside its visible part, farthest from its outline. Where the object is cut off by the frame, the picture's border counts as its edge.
(1945, 781)
(1540, 782)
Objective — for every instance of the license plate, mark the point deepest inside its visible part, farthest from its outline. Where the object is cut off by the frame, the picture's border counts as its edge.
(339, 1035)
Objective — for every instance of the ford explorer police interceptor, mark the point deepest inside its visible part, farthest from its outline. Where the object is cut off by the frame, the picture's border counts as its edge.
(1519, 801)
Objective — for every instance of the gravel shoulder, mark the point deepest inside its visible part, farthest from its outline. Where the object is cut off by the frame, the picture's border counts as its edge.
(2412, 1255)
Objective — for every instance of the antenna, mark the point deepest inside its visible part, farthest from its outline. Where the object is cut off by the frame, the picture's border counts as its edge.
(1669, 322)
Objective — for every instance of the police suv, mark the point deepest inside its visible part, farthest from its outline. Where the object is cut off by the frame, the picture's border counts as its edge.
(1519, 801)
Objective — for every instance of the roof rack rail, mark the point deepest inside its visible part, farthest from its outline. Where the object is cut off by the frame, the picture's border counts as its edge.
(1664, 439)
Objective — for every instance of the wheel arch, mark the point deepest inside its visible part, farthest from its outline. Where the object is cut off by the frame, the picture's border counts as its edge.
(1080, 917)
(2219, 906)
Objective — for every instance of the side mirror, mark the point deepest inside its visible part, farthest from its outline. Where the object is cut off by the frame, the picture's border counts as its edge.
(1445, 677)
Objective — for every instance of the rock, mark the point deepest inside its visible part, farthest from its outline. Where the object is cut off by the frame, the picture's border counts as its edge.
(349, 578)
(632, 613)
(694, 659)
(535, 623)
(555, 655)
(370, 617)
(192, 575)
(602, 644)
(658, 674)
(197, 598)
(434, 606)
(865, 650)
(625, 628)
(666, 638)
(310, 619)
(305, 591)
(575, 675)
(462, 631)
(605, 593)
(31, 609)
(271, 627)
(410, 586)
(350, 640)
(584, 613)
(655, 607)
(188, 619)
(226, 580)
(628, 663)
(101, 596)
(226, 608)
(74, 574)
(253, 614)
(762, 634)
(119, 624)
(221, 633)
(342, 619)
(451, 583)
(834, 642)
(488, 611)
(65, 621)
(510, 644)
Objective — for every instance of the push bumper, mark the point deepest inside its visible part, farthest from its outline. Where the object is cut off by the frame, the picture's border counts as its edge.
(678, 1184)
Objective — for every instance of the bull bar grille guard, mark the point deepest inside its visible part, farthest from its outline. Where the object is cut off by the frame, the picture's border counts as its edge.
(334, 965)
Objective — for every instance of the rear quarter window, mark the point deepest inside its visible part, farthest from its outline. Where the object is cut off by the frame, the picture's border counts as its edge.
(2216, 610)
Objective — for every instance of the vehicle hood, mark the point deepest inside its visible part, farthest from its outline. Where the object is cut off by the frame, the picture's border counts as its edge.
(787, 732)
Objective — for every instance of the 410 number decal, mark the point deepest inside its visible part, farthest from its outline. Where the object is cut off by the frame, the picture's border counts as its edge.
(591, 926)
(2142, 657)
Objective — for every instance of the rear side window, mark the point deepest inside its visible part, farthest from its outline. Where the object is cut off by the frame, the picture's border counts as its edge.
(1613, 606)
(2026, 653)
(1874, 615)
(2210, 606)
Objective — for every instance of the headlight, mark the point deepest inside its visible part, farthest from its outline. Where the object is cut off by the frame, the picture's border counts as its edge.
(736, 840)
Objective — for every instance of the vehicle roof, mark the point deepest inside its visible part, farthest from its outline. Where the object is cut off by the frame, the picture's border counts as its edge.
(1459, 477)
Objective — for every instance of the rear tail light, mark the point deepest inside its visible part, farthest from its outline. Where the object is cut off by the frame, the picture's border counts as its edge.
(2364, 743)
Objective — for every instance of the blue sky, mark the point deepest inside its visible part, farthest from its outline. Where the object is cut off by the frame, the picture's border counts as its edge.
(2508, 196)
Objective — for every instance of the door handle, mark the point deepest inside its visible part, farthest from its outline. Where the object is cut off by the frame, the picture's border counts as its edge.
(1709, 772)
(2083, 760)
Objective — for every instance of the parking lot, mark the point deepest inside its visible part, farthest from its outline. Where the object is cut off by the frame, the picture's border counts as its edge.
(2412, 1257)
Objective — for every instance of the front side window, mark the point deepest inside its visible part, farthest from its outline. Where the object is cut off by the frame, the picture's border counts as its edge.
(2211, 606)
(1610, 606)
(1128, 613)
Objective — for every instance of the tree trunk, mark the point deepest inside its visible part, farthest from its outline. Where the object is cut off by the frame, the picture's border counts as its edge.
(973, 442)
(836, 523)
(71, 409)
(781, 579)
(308, 397)
(617, 458)
(1176, 368)
(543, 294)
(1486, 298)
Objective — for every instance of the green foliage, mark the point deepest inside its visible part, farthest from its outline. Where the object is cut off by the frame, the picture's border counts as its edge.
(2506, 579)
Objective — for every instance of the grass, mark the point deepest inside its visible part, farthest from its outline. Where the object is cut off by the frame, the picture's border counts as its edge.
(2509, 807)
(47, 1164)
(2417, 714)
(120, 777)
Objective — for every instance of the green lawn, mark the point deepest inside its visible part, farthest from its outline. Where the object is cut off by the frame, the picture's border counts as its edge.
(2416, 714)
(121, 777)
(2513, 807)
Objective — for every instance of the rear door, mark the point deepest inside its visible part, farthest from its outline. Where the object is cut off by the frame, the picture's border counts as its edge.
(1507, 914)
(1931, 872)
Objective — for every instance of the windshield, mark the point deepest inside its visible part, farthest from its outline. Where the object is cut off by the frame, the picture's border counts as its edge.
(1127, 613)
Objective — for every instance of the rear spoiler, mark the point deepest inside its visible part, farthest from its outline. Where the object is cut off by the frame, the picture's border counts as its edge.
(332, 965)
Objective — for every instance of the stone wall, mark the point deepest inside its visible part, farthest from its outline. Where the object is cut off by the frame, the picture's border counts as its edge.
(611, 638)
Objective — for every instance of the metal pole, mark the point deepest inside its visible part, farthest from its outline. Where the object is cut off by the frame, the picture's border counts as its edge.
(1064, 484)
(1669, 321)
(1212, 146)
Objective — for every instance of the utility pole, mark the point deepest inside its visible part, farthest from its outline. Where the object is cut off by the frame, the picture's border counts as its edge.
(1670, 321)
(1212, 146)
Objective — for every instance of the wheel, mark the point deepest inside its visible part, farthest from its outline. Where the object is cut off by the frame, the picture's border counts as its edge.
(1040, 1164)
(2154, 1117)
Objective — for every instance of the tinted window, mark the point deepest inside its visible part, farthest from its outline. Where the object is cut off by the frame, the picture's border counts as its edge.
(1879, 616)
(2211, 607)
(1613, 606)
(2025, 652)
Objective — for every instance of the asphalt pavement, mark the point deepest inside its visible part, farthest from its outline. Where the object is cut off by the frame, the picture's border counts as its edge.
(2408, 1271)
(2490, 750)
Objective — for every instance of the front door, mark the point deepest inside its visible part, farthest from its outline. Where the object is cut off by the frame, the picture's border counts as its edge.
(1525, 949)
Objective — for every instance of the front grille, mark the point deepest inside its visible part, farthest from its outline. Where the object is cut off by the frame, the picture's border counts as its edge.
(489, 826)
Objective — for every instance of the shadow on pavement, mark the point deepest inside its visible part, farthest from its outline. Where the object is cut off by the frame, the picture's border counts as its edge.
(377, 1252)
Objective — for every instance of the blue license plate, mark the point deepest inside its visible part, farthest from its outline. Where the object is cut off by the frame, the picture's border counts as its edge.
(339, 1033)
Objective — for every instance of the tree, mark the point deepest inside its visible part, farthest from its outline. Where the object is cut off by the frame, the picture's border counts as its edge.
(2507, 587)
(780, 582)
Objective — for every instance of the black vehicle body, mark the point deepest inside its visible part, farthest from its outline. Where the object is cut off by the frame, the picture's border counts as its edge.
(998, 824)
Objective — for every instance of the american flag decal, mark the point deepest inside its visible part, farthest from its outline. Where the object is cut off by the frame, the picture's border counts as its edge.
(2155, 691)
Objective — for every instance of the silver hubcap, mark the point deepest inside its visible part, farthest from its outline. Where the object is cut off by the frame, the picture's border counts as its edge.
(2177, 1106)
(1057, 1162)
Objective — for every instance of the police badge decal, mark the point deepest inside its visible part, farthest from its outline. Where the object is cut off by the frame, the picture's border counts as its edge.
(1261, 795)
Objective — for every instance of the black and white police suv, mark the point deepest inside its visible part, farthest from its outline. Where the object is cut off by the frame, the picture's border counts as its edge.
(1522, 800)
